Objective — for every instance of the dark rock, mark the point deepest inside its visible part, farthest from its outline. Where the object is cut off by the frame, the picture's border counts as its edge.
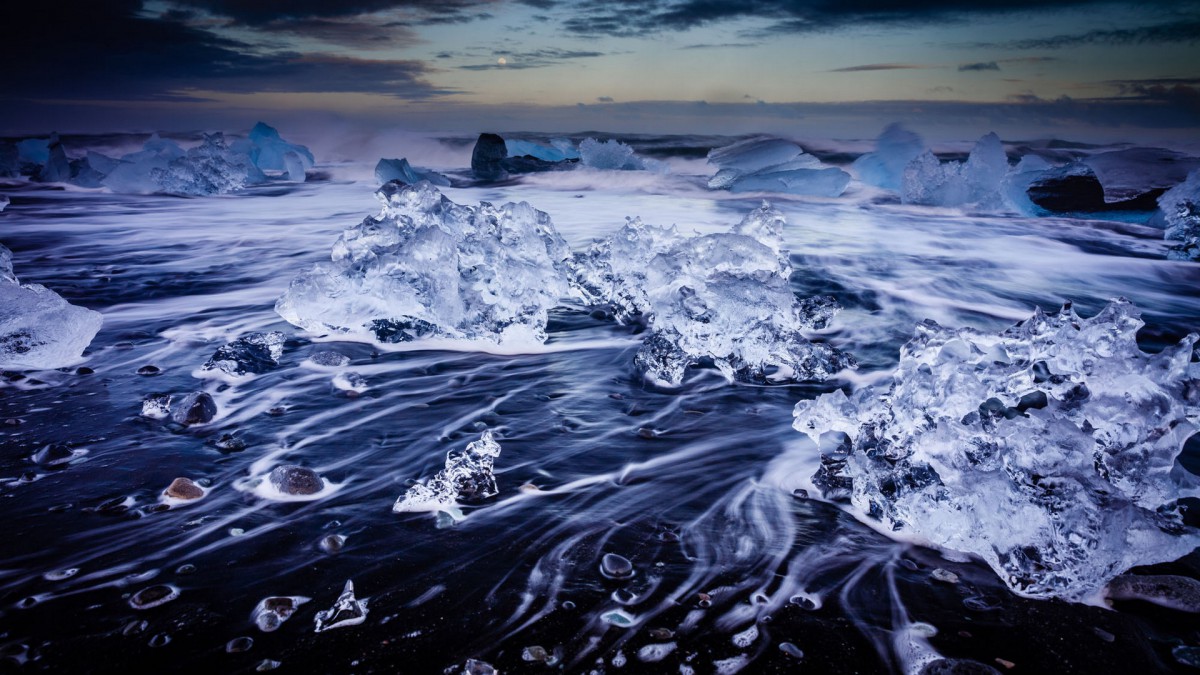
(230, 443)
(296, 480)
(195, 408)
(256, 353)
(149, 370)
(153, 596)
(958, 667)
(487, 157)
(614, 566)
(1076, 189)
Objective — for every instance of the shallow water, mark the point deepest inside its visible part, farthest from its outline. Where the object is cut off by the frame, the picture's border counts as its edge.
(694, 487)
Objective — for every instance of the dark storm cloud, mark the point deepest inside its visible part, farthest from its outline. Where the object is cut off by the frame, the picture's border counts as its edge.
(1185, 32)
(881, 66)
(642, 17)
(263, 12)
(988, 65)
(1183, 92)
(80, 49)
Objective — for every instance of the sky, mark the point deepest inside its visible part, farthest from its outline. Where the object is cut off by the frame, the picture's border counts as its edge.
(830, 68)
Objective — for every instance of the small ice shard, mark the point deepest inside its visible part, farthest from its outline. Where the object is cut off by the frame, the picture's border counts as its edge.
(894, 149)
(55, 455)
(791, 650)
(351, 383)
(328, 358)
(333, 543)
(38, 328)
(239, 644)
(388, 170)
(976, 182)
(347, 611)
(255, 353)
(488, 156)
(1180, 209)
(766, 164)
(467, 476)
(184, 489)
(153, 596)
(195, 408)
(619, 617)
(270, 152)
(4, 202)
(615, 156)
(426, 266)
(1166, 590)
(720, 298)
(1048, 450)
(272, 611)
(477, 667)
(615, 566)
(296, 480)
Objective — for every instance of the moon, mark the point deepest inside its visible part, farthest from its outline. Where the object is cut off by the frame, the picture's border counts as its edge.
(502, 60)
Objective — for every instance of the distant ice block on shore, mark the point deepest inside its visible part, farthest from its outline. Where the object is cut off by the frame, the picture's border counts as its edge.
(1049, 449)
(38, 328)
(894, 149)
(720, 298)
(399, 169)
(1180, 210)
(768, 164)
(427, 267)
(977, 181)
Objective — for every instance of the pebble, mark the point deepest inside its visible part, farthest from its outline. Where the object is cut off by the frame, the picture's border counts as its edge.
(230, 443)
(944, 576)
(239, 644)
(195, 408)
(1165, 590)
(477, 667)
(535, 653)
(185, 489)
(160, 640)
(268, 664)
(791, 650)
(957, 667)
(153, 596)
(661, 633)
(656, 652)
(149, 370)
(84, 370)
(296, 480)
(614, 566)
(333, 543)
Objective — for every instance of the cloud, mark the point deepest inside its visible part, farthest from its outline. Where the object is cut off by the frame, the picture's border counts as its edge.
(604, 99)
(537, 58)
(265, 12)
(1185, 32)
(881, 66)
(644, 17)
(988, 65)
(722, 45)
(66, 50)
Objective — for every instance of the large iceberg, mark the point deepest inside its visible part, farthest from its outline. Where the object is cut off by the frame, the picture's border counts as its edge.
(1180, 209)
(978, 181)
(38, 328)
(269, 152)
(426, 266)
(1048, 450)
(162, 166)
(766, 164)
(720, 298)
(894, 149)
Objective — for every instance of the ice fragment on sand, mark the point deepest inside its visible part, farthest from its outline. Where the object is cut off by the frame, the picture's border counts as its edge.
(347, 611)
(467, 476)
(1180, 208)
(38, 328)
(272, 611)
(255, 353)
(426, 266)
(399, 169)
(723, 298)
(1049, 450)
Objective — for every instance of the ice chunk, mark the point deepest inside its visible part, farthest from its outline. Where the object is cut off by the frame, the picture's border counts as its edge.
(976, 181)
(38, 328)
(91, 170)
(1126, 174)
(615, 155)
(133, 174)
(295, 167)
(269, 152)
(209, 169)
(34, 151)
(1048, 450)
(426, 266)
(894, 149)
(467, 477)
(254, 354)
(399, 169)
(766, 164)
(346, 611)
(4, 202)
(57, 168)
(1015, 186)
(723, 298)
(10, 160)
(1180, 209)
(272, 611)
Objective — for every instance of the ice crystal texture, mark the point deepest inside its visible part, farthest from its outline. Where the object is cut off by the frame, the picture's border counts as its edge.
(723, 298)
(209, 169)
(1180, 208)
(1048, 450)
(38, 328)
(467, 477)
(426, 266)
(977, 181)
